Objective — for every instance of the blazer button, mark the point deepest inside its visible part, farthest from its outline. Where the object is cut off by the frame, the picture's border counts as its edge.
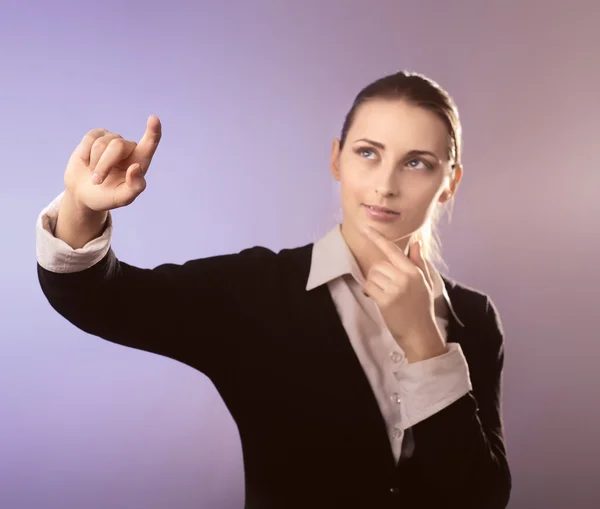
(395, 491)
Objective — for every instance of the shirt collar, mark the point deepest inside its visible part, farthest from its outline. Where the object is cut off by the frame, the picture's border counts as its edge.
(331, 259)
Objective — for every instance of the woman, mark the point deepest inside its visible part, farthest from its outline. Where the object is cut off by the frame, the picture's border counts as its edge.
(358, 376)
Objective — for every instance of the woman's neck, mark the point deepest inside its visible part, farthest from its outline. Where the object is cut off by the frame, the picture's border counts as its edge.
(364, 251)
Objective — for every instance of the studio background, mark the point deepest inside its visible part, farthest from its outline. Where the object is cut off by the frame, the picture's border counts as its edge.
(251, 95)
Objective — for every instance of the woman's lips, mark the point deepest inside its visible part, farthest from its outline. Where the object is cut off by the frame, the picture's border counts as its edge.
(382, 213)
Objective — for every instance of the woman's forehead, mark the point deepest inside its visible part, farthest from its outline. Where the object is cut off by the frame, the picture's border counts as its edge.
(399, 125)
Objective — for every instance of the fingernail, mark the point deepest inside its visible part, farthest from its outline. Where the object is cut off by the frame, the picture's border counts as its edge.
(96, 179)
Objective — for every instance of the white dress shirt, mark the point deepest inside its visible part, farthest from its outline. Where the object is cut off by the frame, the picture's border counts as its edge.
(406, 393)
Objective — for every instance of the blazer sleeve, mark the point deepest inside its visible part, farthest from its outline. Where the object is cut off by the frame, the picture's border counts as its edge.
(187, 312)
(460, 450)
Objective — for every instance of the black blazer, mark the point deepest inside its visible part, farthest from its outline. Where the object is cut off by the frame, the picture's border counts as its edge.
(311, 430)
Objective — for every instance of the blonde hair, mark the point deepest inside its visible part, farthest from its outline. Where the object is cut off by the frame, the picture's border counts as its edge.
(428, 234)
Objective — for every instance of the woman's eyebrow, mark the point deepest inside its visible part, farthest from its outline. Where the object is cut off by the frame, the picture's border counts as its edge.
(413, 152)
(374, 143)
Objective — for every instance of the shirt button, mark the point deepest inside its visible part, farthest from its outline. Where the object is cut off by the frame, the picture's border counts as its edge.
(396, 398)
(396, 433)
(396, 357)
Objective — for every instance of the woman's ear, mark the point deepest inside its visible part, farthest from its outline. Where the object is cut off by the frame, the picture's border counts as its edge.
(445, 196)
(450, 191)
(335, 159)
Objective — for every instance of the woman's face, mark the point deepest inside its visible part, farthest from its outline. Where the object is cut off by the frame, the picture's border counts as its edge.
(393, 169)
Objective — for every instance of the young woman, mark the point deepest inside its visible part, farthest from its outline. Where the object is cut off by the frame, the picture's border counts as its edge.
(357, 374)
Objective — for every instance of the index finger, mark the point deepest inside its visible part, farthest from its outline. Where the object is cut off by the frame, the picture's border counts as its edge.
(389, 249)
(151, 138)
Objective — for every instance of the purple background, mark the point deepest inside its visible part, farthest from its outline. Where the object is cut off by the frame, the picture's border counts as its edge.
(251, 95)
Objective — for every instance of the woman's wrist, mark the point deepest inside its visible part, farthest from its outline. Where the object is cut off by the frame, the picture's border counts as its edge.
(422, 344)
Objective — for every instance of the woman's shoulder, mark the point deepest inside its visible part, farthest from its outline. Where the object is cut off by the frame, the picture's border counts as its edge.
(474, 307)
(464, 292)
(466, 295)
(257, 257)
(257, 268)
(294, 261)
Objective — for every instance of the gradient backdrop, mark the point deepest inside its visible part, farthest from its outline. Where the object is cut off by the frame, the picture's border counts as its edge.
(251, 95)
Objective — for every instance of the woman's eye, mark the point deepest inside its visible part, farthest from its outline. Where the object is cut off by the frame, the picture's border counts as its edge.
(367, 153)
(418, 164)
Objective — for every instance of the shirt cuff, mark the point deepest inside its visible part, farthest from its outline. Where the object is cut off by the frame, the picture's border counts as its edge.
(426, 387)
(55, 255)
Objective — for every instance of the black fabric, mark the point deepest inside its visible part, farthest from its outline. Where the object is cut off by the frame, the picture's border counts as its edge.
(311, 430)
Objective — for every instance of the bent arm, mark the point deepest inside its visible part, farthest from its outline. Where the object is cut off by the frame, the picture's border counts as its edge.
(460, 450)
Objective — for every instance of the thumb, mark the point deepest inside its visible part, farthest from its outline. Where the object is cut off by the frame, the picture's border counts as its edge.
(129, 190)
(134, 178)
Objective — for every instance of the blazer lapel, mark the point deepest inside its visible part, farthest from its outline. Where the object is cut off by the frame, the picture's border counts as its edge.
(335, 363)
